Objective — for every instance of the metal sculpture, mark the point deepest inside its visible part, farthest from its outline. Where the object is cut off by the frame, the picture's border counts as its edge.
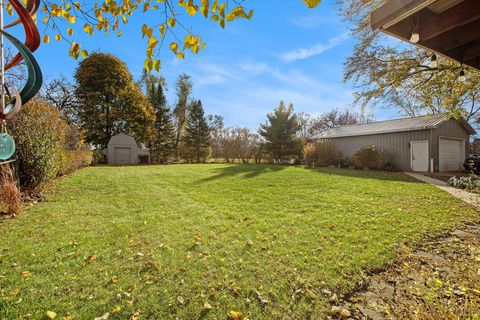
(34, 79)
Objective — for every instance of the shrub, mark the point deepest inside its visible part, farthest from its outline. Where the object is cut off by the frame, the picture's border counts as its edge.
(322, 154)
(10, 199)
(371, 158)
(40, 136)
(470, 183)
(98, 157)
(73, 160)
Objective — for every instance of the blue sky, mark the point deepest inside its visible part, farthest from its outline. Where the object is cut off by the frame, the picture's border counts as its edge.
(286, 52)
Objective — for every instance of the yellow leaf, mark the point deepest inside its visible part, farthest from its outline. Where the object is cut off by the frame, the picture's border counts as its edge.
(171, 22)
(162, 30)
(84, 53)
(70, 31)
(116, 309)
(72, 19)
(58, 37)
(26, 274)
(152, 42)
(192, 9)
(156, 67)
(51, 315)
(312, 3)
(235, 315)
(46, 39)
(88, 29)
(148, 65)
(174, 47)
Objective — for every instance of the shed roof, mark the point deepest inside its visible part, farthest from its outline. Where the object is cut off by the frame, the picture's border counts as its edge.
(122, 139)
(389, 126)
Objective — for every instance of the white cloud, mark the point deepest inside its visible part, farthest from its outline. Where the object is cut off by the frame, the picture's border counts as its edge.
(243, 92)
(313, 21)
(304, 53)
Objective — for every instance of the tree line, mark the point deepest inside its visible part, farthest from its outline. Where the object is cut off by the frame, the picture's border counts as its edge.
(105, 101)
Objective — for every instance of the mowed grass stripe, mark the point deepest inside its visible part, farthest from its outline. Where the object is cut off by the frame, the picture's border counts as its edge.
(163, 240)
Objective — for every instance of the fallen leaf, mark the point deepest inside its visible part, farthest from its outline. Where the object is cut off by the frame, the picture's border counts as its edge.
(180, 300)
(92, 258)
(15, 292)
(310, 294)
(235, 315)
(26, 274)
(51, 315)
(116, 309)
(104, 317)
(207, 306)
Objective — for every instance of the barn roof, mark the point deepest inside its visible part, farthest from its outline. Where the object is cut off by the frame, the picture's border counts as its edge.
(389, 126)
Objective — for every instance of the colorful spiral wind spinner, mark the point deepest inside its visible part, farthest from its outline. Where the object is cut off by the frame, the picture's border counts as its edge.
(34, 79)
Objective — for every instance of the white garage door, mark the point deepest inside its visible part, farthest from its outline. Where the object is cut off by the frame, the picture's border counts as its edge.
(123, 155)
(451, 154)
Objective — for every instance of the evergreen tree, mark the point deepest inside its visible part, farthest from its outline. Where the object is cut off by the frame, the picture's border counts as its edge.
(197, 133)
(163, 141)
(280, 132)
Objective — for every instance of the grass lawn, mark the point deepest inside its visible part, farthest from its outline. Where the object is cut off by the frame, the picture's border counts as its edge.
(159, 242)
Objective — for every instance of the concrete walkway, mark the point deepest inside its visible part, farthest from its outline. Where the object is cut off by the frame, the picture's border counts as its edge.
(468, 197)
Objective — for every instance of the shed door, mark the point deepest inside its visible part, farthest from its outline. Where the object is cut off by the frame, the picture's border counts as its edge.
(451, 154)
(123, 155)
(419, 155)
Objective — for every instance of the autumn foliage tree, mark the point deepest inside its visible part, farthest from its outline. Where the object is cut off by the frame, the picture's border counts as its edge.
(109, 101)
(65, 19)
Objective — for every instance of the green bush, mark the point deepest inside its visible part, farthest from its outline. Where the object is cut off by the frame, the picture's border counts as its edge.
(470, 183)
(73, 160)
(98, 157)
(371, 158)
(322, 154)
(40, 136)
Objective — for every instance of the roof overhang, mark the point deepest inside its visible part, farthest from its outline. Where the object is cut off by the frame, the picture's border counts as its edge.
(467, 127)
(448, 27)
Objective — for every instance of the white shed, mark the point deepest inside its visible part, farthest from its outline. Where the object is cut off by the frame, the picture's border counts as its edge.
(122, 149)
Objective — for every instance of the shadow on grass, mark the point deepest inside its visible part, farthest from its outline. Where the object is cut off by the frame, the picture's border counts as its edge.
(254, 170)
(245, 170)
(365, 174)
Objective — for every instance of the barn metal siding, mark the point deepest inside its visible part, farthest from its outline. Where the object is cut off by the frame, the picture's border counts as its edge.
(398, 143)
(448, 129)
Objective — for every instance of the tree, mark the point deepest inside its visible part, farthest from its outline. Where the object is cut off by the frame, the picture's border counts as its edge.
(105, 16)
(399, 76)
(162, 143)
(336, 118)
(109, 101)
(280, 132)
(60, 93)
(197, 133)
(183, 89)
